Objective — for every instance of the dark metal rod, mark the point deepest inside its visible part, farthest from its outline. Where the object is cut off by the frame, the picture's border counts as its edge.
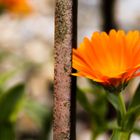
(108, 9)
(64, 83)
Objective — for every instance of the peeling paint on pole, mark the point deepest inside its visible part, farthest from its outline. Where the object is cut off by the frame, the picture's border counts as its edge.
(64, 84)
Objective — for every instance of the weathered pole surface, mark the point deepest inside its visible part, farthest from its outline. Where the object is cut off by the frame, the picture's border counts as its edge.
(64, 83)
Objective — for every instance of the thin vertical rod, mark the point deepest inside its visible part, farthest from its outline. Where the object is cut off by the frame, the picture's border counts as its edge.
(64, 83)
(107, 10)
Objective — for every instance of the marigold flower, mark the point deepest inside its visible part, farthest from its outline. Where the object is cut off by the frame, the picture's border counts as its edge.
(109, 59)
(16, 6)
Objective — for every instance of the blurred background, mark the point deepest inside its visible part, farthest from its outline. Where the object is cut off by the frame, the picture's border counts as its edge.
(26, 68)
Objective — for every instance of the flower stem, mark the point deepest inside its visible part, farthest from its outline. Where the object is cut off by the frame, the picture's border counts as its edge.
(122, 105)
(120, 135)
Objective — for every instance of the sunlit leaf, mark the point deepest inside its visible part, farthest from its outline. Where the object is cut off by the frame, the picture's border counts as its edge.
(4, 77)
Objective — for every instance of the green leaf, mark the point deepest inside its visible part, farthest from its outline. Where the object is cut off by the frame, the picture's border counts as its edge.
(128, 122)
(133, 111)
(10, 103)
(7, 131)
(113, 99)
(119, 118)
(120, 135)
(112, 125)
(47, 126)
(36, 111)
(100, 106)
(82, 99)
(40, 115)
(4, 77)
(136, 98)
(131, 117)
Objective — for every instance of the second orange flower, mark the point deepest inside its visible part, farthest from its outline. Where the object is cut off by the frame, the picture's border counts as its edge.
(16, 6)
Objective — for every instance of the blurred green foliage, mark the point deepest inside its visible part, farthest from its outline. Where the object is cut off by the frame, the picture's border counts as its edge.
(99, 108)
(10, 103)
(15, 100)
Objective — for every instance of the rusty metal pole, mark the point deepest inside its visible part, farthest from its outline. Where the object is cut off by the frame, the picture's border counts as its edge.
(64, 83)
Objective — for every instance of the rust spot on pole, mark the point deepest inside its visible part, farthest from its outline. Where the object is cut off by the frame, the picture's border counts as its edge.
(64, 84)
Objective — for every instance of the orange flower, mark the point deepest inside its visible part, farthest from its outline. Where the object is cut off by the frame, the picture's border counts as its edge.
(16, 6)
(109, 59)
